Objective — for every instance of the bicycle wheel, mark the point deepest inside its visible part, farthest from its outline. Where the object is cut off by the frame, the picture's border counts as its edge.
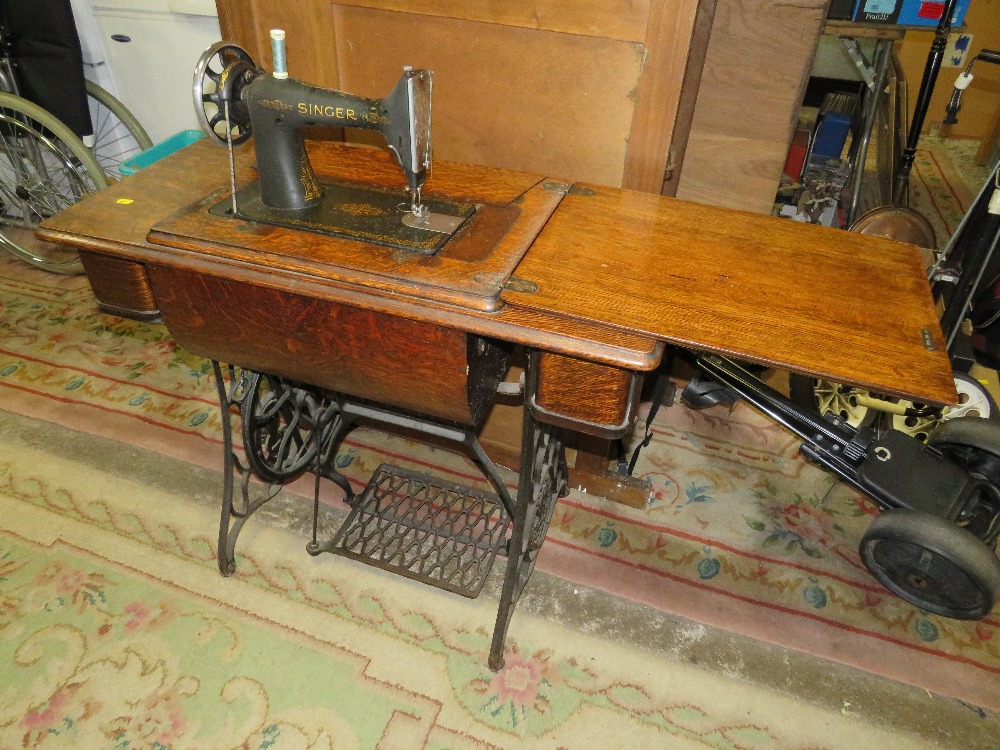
(118, 136)
(44, 168)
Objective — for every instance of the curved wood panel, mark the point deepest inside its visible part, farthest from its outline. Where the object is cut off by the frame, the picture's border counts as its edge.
(415, 366)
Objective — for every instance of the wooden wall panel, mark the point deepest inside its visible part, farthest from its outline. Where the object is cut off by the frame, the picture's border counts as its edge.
(667, 52)
(614, 19)
(572, 121)
(701, 33)
(587, 90)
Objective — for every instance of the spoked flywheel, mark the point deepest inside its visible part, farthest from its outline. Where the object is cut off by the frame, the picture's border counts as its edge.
(283, 427)
(221, 73)
(827, 397)
(933, 563)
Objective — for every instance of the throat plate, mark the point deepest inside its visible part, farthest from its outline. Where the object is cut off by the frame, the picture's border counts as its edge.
(356, 212)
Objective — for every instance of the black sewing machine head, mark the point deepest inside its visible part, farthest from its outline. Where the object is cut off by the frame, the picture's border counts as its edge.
(235, 99)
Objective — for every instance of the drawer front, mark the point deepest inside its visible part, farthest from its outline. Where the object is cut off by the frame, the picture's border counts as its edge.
(432, 370)
(585, 396)
(121, 287)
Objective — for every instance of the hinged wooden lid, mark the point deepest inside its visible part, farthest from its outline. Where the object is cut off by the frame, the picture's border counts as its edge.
(844, 306)
(469, 271)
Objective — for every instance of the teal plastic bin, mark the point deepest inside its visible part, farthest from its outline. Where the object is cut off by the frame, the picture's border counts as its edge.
(152, 155)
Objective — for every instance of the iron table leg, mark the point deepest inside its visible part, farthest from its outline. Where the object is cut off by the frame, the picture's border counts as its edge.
(542, 481)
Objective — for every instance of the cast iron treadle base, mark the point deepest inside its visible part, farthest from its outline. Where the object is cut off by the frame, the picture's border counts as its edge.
(413, 524)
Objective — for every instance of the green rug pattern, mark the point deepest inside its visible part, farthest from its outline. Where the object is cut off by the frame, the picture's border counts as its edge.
(116, 631)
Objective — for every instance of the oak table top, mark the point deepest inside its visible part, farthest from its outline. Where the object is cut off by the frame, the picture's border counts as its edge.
(599, 273)
(849, 307)
(117, 223)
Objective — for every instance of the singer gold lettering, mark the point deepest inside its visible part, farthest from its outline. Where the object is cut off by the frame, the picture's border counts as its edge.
(321, 110)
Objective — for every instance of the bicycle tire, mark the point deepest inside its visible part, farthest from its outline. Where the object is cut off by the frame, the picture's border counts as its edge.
(26, 125)
(105, 146)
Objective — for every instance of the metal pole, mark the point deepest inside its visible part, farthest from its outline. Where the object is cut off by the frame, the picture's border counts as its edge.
(931, 70)
(883, 55)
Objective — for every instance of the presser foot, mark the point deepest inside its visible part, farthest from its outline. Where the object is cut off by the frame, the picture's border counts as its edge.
(429, 221)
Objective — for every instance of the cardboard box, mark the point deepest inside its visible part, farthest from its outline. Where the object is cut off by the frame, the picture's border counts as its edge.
(877, 11)
(797, 150)
(907, 12)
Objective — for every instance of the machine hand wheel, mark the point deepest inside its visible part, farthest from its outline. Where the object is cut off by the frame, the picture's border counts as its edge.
(283, 428)
(221, 72)
(932, 563)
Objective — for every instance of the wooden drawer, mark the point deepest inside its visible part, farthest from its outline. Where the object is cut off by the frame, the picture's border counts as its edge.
(585, 396)
(121, 287)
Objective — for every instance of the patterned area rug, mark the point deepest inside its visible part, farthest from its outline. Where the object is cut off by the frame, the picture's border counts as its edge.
(116, 631)
(944, 182)
(741, 533)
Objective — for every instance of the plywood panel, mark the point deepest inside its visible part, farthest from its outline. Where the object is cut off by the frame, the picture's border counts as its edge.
(667, 52)
(310, 56)
(755, 72)
(614, 19)
(588, 89)
(701, 33)
(506, 96)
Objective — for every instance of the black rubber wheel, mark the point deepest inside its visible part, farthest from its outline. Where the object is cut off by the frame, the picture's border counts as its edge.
(974, 444)
(962, 433)
(932, 563)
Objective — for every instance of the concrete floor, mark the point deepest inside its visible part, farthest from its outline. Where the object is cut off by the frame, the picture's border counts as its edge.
(946, 722)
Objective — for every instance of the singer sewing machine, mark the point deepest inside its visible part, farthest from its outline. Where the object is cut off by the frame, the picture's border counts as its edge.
(325, 318)
(245, 100)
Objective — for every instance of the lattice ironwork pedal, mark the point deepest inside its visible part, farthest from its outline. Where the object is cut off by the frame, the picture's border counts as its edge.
(444, 534)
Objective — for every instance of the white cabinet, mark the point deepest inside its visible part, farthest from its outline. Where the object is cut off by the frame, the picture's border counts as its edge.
(152, 47)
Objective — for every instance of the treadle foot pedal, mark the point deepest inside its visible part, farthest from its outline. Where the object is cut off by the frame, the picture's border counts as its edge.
(444, 534)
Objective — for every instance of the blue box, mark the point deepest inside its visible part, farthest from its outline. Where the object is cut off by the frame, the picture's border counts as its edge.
(831, 135)
(152, 155)
(907, 12)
